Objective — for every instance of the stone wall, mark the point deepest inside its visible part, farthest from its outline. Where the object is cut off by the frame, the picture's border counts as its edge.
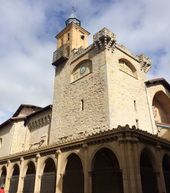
(128, 103)
(6, 136)
(38, 130)
(68, 118)
(152, 91)
(19, 137)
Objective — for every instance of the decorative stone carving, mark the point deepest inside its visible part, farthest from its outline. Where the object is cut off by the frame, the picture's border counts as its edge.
(40, 122)
(104, 39)
(85, 146)
(145, 62)
(37, 157)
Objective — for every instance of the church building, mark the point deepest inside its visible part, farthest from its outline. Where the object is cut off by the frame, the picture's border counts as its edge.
(107, 130)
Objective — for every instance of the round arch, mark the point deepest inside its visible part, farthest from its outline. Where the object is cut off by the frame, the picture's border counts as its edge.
(105, 146)
(166, 171)
(44, 162)
(81, 69)
(3, 175)
(128, 67)
(161, 107)
(106, 173)
(14, 179)
(147, 172)
(48, 179)
(73, 180)
(29, 179)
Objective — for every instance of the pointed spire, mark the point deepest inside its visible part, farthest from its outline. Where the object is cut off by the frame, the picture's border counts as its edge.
(72, 18)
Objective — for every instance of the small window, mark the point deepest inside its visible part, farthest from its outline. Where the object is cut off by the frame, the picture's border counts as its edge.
(134, 103)
(137, 123)
(62, 42)
(68, 36)
(0, 142)
(82, 105)
(82, 37)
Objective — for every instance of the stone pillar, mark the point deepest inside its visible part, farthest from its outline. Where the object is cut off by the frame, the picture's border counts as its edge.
(59, 175)
(21, 177)
(87, 177)
(8, 176)
(38, 175)
(124, 165)
(129, 167)
(131, 163)
(137, 167)
(159, 171)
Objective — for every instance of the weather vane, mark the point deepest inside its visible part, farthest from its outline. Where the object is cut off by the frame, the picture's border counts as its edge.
(73, 9)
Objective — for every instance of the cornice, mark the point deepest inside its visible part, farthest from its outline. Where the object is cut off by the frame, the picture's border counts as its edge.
(121, 135)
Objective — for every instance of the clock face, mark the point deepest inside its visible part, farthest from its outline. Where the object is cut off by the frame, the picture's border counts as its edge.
(82, 69)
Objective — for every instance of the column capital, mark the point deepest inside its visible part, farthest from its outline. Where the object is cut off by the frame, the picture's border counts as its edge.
(21, 159)
(8, 162)
(37, 157)
(85, 145)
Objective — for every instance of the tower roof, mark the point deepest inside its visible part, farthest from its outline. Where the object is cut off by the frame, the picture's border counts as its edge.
(73, 19)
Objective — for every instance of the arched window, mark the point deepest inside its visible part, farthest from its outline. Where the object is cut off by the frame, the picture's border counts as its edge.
(127, 67)
(73, 180)
(166, 172)
(3, 175)
(29, 179)
(14, 180)
(148, 175)
(48, 179)
(106, 173)
(82, 69)
(161, 107)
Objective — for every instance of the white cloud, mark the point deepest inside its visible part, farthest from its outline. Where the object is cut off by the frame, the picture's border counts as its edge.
(27, 41)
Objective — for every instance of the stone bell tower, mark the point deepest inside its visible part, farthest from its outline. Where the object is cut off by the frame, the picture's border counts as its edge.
(96, 87)
(73, 36)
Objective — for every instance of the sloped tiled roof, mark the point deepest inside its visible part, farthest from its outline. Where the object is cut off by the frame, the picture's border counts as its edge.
(156, 81)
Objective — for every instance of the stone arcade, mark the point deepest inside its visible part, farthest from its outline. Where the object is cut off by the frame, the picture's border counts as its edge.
(108, 130)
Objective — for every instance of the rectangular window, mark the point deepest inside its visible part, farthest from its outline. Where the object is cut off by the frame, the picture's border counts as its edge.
(137, 123)
(0, 142)
(134, 103)
(82, 105)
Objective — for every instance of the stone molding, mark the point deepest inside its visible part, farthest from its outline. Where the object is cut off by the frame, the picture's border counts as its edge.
(121, 134)
(39, 122)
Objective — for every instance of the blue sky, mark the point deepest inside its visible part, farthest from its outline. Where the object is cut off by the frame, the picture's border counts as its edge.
(28, 28)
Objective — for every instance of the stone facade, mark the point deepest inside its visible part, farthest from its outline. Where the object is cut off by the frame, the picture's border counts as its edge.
(21, 133)
(107, 131)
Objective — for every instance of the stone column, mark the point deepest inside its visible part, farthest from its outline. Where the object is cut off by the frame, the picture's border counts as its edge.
(137, 167)
(8, 176)
(87, 177)
(159, 171)
(21, 177)
(59, 175)
(38, 175)
(129, 167)
(124, 165)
